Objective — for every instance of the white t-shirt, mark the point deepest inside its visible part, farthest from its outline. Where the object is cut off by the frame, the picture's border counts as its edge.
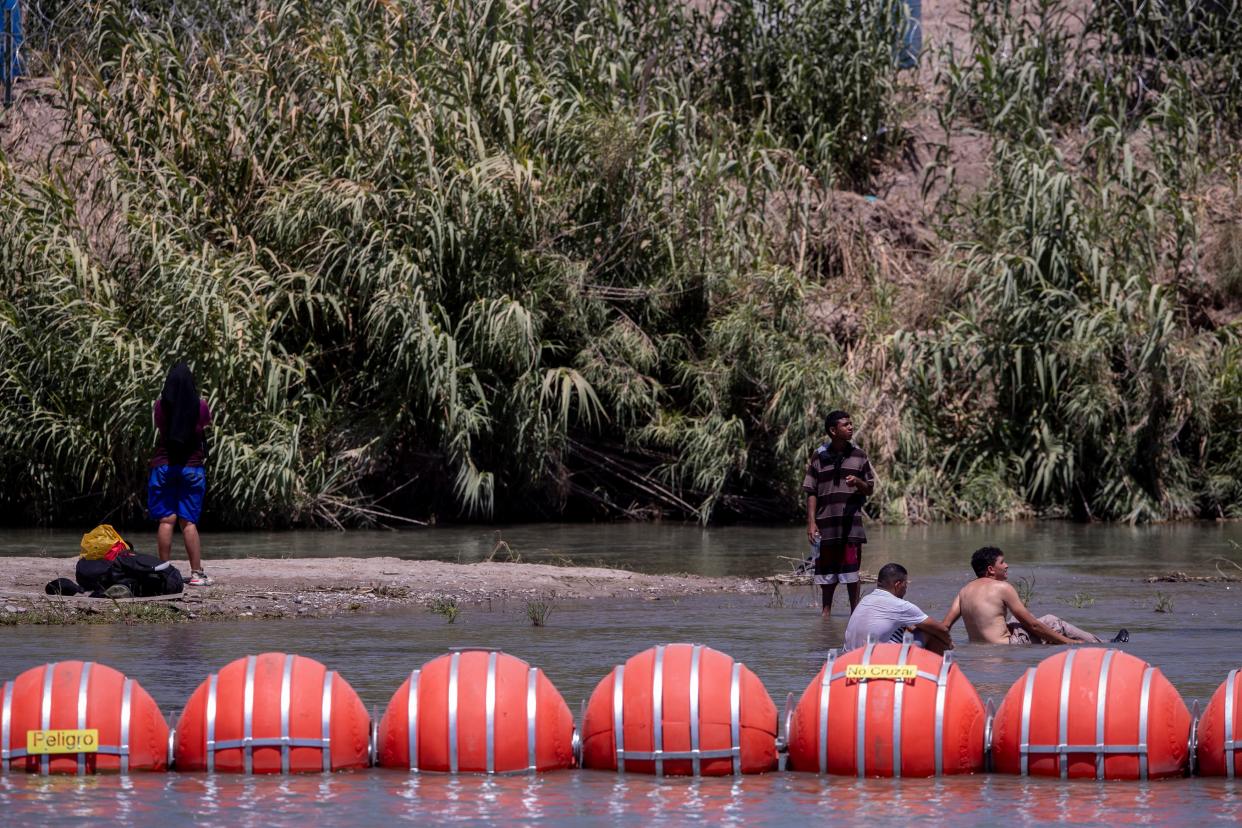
(883, 616)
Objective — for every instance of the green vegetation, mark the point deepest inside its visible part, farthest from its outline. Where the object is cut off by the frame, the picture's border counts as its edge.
(106, 612)
(1081, 599)
(448, 608)
(489, 259)
(539, 609)
(1025, 587)
(1073, 369)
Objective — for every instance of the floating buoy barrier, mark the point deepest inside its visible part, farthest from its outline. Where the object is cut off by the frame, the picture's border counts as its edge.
(677, 710)
(273, 713)
(1092, 713)
(476, 711)
(888, 710)
(883, 710)
(80, 717)
(1218, 748)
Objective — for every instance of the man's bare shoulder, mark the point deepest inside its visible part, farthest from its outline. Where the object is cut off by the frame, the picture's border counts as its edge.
(987, 588)
(1007, 591)
(975, 586)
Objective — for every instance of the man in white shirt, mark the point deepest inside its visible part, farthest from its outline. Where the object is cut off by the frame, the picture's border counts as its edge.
(885, 615)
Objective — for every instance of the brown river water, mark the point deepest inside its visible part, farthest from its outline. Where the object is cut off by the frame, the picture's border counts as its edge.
(780, 637)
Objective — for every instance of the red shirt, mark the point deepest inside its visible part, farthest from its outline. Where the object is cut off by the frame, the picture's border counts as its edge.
(198, 454)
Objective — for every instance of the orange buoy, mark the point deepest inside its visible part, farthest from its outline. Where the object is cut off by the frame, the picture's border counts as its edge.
(680, 709)
(1092, 713)
(1218, 747)
(476, 711)
(273, 713)
(39, 705)
(888, 710)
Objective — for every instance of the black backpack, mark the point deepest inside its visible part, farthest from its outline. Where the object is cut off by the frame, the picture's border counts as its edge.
(145, 575)
(94, 576)
(148, 576)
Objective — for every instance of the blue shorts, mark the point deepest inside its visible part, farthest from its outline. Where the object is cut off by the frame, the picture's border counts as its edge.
(176, 490)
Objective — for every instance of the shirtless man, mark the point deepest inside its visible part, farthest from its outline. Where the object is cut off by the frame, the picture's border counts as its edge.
(984, 603)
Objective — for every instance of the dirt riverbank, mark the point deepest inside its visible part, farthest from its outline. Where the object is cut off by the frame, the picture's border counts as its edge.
(322, 587)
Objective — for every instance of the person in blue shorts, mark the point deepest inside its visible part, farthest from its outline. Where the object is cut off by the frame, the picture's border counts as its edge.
(178, 481)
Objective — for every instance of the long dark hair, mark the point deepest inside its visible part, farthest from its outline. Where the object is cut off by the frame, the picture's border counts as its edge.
(180, 404)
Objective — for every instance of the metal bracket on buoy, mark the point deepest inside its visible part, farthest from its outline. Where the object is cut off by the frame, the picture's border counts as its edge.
(1192, 741)
(373, 731)
(989, 717)
(173, 716)
(782, 736)
(576, 741)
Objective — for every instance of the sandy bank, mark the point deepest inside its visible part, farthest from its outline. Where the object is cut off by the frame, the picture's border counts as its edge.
(321, 587)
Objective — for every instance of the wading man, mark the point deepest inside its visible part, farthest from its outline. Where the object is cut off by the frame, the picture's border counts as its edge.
(838, 481)
(885, 616)
(984, 602)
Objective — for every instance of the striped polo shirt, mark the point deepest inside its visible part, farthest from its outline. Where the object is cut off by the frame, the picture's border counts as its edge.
(838, 508)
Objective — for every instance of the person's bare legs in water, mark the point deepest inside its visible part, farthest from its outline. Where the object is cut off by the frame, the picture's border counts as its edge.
(852, 591)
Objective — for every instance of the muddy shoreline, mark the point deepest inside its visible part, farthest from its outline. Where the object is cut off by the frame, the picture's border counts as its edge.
(324, 587)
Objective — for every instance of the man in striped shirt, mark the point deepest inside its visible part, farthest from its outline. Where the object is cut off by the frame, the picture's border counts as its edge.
(838, 481)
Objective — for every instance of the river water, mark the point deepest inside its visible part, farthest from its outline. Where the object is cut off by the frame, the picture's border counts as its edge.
(1091, 575)
(731, 550)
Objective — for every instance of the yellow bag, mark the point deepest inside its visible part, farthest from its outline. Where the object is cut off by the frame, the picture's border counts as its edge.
(97, 543)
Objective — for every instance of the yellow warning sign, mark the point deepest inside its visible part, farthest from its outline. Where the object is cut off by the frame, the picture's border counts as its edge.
(894, 672)
(62, 741)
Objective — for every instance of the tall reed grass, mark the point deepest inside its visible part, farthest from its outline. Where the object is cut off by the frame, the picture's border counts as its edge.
(485, 258)
(1073, 365)
(459, 257)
